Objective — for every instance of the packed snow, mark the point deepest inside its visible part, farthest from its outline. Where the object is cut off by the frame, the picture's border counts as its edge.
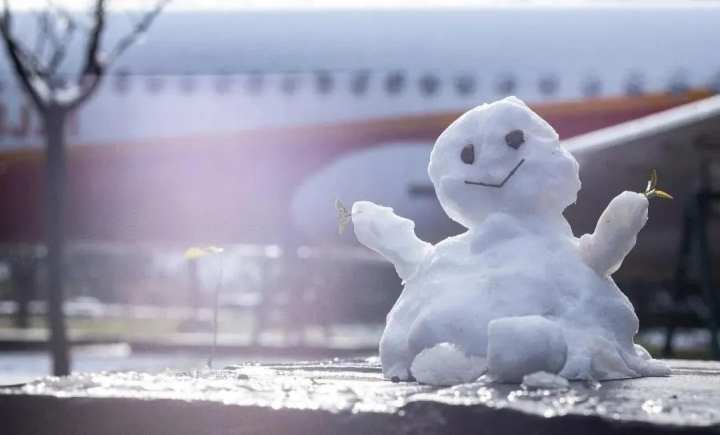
(447, 364)
(517, 293)
(545, 381)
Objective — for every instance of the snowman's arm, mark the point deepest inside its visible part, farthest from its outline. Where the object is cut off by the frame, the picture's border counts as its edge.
(389, 235)
(615, 234)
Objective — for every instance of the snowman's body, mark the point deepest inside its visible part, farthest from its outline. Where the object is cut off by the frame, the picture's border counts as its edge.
(517, 293)
(492, 272)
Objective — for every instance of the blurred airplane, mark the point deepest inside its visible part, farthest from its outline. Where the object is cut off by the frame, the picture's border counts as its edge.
(243, 125)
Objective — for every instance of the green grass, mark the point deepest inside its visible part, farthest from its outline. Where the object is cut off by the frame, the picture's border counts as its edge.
(128, 327)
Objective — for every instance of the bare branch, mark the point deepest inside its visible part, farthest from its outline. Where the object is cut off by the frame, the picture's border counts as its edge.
(138, 30)
(27, 75)
(88, 85)
(95, 66)
(30, 59)
(60, 11)
(43, 34)
(51, 28)
(60, 47)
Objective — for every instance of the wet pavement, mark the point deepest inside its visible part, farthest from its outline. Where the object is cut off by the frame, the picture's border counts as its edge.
(350, 396)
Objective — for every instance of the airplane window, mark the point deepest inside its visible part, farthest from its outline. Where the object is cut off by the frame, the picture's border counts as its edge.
(592, 87)
(289, 84)
(548, 85)
(187, 83)
(506, 84)
(635, 84)
(223, 83)
(122, 81)
(359, 83)
(154, 84)
(465, 84)
(429, 84)
(323, 82)
(254, 83)
(394, 83)
(678, 83)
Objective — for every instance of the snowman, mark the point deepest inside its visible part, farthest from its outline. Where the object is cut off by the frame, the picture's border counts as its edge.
(517, 293)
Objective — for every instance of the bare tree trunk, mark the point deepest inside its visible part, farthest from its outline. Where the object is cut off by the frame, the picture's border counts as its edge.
(55, 170)
(41, 83)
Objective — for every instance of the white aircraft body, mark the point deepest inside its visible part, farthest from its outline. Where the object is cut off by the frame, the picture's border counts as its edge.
(244, 125)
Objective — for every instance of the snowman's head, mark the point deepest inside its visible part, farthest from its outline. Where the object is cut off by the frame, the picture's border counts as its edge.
(502, 157)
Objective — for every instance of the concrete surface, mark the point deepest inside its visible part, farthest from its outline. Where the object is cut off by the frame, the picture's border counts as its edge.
(350, 396)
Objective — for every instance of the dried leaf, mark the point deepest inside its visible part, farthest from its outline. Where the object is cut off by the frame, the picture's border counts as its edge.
(663, 195)
(342, 210)
(653, 178)
(651, 191)
(344, 216)
(652, 182)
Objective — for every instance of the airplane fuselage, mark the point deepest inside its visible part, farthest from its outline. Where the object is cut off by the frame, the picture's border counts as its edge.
(248, 127)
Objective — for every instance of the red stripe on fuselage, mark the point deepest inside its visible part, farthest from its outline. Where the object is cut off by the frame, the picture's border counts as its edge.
(235, 187)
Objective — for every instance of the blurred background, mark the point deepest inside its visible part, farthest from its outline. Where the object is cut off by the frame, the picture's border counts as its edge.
(131, 131)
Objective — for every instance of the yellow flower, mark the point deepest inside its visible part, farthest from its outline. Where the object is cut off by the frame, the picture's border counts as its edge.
(197, 252)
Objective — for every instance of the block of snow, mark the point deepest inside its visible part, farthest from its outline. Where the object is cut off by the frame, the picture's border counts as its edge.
(446, 364)
(544, 380)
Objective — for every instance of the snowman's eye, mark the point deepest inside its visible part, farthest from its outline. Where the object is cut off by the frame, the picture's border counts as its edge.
(467, 155)
(515, 138)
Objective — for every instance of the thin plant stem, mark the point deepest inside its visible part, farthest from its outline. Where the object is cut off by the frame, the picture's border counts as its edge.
(216, 309)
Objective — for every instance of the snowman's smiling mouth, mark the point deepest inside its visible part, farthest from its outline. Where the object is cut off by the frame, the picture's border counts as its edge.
(502, 183)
